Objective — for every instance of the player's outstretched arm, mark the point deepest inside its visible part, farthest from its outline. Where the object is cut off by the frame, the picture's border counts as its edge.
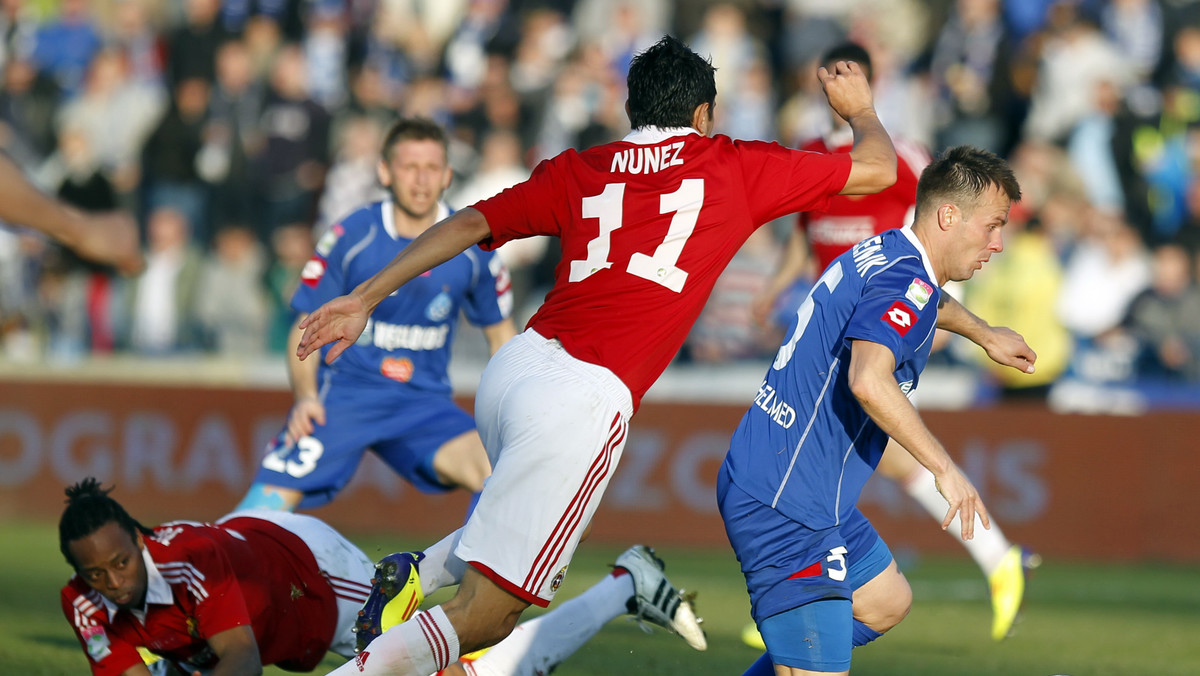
(1003, 345)
(873, 384)
(307, 408)
(343, 319)
(237, 652)
(874, 157)
(110, 238)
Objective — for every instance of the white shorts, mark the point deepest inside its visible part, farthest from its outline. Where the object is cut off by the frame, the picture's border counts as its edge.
(348, 570)
(554, 428)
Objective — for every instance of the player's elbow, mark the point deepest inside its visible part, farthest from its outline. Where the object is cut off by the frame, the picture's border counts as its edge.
(866, 388)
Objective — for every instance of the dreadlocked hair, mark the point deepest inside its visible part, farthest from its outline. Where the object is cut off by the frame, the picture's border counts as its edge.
(88, 509)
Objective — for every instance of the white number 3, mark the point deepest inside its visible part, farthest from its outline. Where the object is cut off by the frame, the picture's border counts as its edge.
(837, 555)
(659, 267)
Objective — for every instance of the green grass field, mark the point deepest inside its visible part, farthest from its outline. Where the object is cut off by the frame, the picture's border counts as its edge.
(1081, 619)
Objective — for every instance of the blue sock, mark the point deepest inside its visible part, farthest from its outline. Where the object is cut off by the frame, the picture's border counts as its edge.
(863, 634)
(763, 666)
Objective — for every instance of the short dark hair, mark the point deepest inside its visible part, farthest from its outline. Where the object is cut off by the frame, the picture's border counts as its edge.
(414, 129)
(850, 51)
(88, 509)
(667, 82)
(960, 175)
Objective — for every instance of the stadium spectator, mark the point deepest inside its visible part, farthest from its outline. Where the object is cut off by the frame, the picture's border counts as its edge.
(193, 595)
(232, 310)
(159, 305)
(552, 409)
(836, 395)
(233, 137)
(1165, 319)
(295, 154)
(1106, 269)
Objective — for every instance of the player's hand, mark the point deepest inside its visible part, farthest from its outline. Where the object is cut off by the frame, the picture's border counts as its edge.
(1007, 348)
(341, 320)
(306, 413)
(964, 501)
(847, 89)
(112, 238)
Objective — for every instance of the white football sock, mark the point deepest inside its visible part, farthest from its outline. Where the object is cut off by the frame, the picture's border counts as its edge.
(440, 567)
(537, 646)
(424, 645)
(987, 547)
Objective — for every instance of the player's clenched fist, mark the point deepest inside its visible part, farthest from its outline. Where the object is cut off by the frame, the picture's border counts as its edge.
(847, 89)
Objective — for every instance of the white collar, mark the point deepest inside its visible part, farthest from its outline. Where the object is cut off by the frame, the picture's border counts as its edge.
(389, 216)
(907, 231)
(157, 590)
(649, 135)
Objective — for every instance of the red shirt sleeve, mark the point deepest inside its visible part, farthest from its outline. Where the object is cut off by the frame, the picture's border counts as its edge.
(527, 209)
(108, 654)
(781, 181)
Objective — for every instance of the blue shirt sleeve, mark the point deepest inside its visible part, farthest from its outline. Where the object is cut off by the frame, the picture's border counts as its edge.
(489, 297)
(324, 275)
(891, 314)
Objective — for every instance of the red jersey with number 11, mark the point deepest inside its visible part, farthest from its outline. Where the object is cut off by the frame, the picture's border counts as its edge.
(647, 225)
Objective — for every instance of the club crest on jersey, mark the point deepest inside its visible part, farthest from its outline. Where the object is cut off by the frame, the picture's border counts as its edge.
(97, 642)
(558, 579)
(919, 293)
(329, 239)
(397, 368)
(439, 308)
(900, 317)
(313, 271)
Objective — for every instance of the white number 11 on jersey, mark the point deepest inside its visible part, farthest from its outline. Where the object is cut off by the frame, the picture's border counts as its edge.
(609, 208)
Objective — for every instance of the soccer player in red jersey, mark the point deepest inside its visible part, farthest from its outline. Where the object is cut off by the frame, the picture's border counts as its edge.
(646, 225)
(254, 588)
(826, 234)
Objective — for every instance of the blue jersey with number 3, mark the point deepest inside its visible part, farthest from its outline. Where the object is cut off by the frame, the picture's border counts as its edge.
(408, 337)
(806, 446)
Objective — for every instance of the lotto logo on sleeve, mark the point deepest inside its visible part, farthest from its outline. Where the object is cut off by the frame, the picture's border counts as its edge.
(900, 317)
(313, 271)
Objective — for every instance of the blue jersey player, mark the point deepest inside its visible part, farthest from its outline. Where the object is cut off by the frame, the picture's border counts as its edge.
(820, 578)
(389, 392)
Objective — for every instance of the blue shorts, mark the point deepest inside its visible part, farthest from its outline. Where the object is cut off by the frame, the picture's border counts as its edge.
(404, 431)
(787, 564)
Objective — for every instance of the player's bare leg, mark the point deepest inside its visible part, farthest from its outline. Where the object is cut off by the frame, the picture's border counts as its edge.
(884, 601)
(463, 462)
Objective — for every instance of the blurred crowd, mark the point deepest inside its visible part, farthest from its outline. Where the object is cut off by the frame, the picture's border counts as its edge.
(238, 130)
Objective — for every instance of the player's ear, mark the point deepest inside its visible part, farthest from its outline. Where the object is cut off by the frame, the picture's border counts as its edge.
(948, 215)
(381, 171)
(702, 119)
(140, 540)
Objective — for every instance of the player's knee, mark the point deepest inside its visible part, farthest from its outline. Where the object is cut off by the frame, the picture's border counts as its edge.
(890, 610)
(885, 601)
